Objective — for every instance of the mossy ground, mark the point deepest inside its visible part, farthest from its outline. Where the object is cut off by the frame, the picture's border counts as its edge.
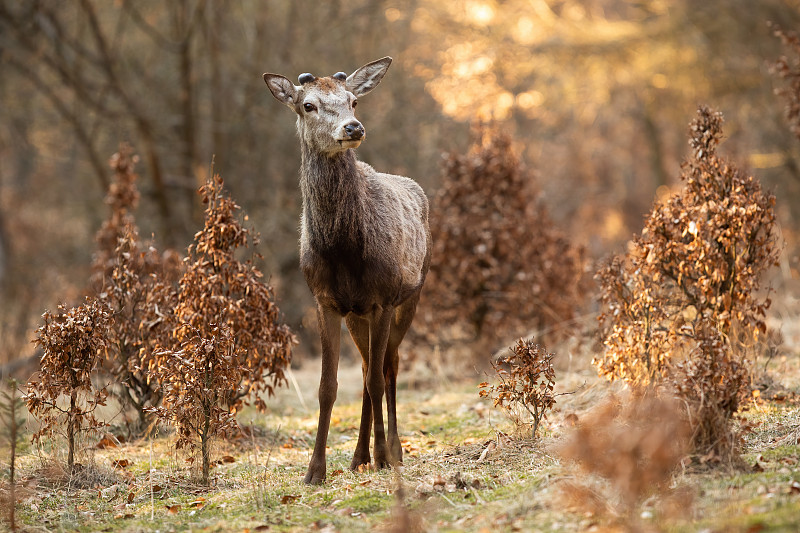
(464, 470)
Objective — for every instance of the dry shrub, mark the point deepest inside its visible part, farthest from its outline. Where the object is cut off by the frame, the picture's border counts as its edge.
(232, 345)
(140, 287)
(689, 287)
(635, 447)
(526, 380)
(402, 519)
(499, 265)
(219, 289)
(788, 69)
(62, 390)
(196, 384)
(122, 198)
(136, 282)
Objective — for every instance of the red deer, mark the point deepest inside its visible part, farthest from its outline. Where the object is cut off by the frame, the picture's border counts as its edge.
(364, 250)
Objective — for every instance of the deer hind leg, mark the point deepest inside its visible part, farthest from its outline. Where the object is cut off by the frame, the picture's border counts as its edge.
(402, 321)
(330, 324)
(379, 327)
(390, 366)
(359, 331)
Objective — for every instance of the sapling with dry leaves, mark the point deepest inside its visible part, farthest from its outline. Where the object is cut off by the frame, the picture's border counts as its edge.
(217, 288)
(62, 392)
(683, 306)
(526, 381)
(196, 382)
(136, 282)
(233, 346)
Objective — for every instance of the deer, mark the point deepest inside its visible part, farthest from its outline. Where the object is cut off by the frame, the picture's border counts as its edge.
(364, 252)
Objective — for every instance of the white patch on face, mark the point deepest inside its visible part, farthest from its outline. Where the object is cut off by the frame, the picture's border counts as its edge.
(323, 125)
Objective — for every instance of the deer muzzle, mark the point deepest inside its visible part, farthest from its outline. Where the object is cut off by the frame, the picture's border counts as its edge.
(354, 131)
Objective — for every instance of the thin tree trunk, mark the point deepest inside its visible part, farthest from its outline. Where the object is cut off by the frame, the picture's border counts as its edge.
(143, 125)
(184, 28)
(73, 406)
(213, 21)
(204, 438)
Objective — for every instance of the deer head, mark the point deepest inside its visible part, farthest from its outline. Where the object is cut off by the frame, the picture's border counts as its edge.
(325, 107)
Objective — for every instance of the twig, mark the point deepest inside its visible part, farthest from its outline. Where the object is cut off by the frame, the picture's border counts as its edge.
(152, 500)
(297, 389)
(571, 392)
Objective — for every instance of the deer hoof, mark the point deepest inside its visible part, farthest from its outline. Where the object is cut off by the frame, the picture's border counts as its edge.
(381, 460)
(360, 464)
(396, 452)
(314, 476)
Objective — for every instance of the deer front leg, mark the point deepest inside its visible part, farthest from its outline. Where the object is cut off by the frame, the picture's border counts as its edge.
(330, 324)
(378, 338)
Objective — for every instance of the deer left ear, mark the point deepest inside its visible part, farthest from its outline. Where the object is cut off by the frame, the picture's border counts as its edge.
(368, 77)
(281, 88)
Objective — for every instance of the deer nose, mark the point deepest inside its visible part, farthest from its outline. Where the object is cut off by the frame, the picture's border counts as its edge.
(354, 130)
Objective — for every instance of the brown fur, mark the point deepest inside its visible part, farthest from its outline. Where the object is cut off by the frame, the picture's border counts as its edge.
(327, 84)
(364, 250)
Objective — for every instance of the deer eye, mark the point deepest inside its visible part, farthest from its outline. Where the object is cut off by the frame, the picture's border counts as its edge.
(355, 103)
(309, 107)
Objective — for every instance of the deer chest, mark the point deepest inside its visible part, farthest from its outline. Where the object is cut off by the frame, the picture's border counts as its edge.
(347, 282)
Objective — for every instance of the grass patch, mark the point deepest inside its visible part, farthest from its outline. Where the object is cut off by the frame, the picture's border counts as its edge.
(463, 471)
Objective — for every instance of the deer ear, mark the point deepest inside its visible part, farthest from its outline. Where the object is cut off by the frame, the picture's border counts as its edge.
(368, 77)
(281, 88)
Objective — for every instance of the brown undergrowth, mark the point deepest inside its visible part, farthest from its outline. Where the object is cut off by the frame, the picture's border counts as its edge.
(633, 447)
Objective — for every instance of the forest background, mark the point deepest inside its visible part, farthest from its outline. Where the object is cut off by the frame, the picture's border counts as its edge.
(597, 95)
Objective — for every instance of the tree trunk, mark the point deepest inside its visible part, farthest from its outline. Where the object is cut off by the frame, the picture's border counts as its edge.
(204, 443)
(213, 21)
(73, 407)
(184, 28)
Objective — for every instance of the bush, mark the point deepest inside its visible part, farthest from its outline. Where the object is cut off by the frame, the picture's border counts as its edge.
(527, 378)
(711, 383)
(136, 282)
(62, 391)
(689, 285)
(233, 346)
(499, 265)
(217, 289)
(122, 198)
(197, 379)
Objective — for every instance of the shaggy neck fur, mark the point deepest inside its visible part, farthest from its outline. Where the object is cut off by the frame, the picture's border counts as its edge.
(333, 190)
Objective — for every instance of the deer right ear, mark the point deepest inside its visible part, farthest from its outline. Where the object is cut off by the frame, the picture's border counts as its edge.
(368, 77)
(281, 88)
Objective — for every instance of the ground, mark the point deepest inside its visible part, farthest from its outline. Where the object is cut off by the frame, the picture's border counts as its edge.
(464, 469)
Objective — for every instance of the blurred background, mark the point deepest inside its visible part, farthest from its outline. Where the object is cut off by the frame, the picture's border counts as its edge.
(596, 94)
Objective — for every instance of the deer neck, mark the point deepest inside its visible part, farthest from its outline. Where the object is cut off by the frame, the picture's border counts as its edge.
(333, 192)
